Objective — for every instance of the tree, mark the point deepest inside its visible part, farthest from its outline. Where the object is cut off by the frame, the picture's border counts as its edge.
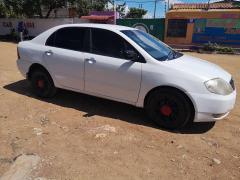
(14, 8)
(52, 4)
(99, 5)
(136, 13)
(33, 8)
(30, 8)
(23, 8)
(236, 4)
(83, 7)
(3, 12)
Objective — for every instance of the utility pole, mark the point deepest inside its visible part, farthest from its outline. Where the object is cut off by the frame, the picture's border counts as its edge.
(155, 6)
(115, 14)
(165, 7)
(168, 5)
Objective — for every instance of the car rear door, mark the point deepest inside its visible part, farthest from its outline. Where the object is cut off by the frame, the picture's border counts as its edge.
(65, 58)
(107, 72)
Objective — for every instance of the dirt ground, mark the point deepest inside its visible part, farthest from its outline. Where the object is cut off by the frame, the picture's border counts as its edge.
(82, 137)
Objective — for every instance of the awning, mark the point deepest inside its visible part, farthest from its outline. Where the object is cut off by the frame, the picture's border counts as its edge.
(97, 18)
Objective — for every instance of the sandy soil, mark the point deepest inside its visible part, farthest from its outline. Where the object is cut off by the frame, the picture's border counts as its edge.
(83, 137)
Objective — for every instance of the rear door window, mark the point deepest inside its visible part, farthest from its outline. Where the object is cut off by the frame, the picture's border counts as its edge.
(72, 38)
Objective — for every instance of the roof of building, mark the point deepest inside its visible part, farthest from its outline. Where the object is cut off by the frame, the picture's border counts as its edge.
(218, 5)
(97, 18)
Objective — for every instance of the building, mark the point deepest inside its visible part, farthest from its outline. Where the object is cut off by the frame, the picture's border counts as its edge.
(106, 17)
(188, 24)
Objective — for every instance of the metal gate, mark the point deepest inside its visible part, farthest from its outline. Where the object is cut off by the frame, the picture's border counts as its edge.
(154, 27)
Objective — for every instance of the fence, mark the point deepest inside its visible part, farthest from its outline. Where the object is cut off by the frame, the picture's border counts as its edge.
(153, 26)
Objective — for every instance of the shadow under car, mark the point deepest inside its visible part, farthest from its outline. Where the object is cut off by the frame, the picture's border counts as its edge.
(102, 107)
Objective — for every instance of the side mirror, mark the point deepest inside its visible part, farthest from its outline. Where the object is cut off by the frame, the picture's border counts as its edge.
(131, 55)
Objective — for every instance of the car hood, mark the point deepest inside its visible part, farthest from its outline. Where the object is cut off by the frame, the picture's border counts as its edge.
(200, 68)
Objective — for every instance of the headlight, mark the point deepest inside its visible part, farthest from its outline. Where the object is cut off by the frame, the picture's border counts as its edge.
(219, 86)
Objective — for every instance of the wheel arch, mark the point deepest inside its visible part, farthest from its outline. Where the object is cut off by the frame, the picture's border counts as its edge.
(37, 66)
(182, 91)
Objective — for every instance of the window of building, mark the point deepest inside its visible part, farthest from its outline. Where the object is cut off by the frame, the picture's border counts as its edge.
(177, 28)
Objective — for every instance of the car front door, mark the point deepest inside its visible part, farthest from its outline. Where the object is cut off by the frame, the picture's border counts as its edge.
(108, 72)
(65, 58)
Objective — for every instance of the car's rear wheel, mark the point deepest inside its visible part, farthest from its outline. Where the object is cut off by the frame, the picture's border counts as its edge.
(42, 84)
(169, 108)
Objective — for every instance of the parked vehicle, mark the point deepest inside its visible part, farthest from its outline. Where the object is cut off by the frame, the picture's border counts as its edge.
(130, 66)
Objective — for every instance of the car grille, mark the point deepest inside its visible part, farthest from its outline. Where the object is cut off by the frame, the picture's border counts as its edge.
(232, 84)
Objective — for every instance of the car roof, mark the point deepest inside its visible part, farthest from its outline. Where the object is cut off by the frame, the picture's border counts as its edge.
(41, 39)
(102, 26)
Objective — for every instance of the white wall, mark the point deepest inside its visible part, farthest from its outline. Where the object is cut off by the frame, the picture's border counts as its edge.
(35, 26)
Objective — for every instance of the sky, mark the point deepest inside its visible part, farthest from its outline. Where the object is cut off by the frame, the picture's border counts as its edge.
(160, 10)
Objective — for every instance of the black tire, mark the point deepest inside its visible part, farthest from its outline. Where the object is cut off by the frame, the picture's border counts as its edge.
(169, 108)
(42, 84)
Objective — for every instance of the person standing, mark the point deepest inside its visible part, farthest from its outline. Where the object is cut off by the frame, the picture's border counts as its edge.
(21, 27)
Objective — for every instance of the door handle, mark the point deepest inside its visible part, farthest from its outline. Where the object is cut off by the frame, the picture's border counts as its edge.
(90, 60)
(48, 53)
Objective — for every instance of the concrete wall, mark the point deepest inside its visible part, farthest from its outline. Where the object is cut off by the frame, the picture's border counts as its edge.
(35, 26)
(220, 26)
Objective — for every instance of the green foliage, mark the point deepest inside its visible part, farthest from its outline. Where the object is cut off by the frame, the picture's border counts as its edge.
(34, 8)
(13, 34)
(31, 8)
(209, 47)
(99, 5)
(136, 13)
(52, 4)
(3, 10)
(236, 4)
(215, 47)
(14, 8)
(83, 7)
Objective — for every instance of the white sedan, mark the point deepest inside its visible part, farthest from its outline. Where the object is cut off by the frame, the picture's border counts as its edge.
(130, 66)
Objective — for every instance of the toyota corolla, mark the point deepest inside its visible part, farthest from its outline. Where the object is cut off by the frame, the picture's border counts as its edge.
(130, 66)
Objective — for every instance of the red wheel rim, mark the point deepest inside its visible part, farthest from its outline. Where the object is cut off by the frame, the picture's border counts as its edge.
(166, 110)
(40, 83)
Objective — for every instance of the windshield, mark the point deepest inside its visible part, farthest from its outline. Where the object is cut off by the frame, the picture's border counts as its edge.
(152, 45)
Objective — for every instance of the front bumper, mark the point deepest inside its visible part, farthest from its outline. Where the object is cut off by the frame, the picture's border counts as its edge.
(212, 107)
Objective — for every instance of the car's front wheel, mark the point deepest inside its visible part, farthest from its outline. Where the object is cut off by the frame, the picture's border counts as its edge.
(169, 108)
(42, 84)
